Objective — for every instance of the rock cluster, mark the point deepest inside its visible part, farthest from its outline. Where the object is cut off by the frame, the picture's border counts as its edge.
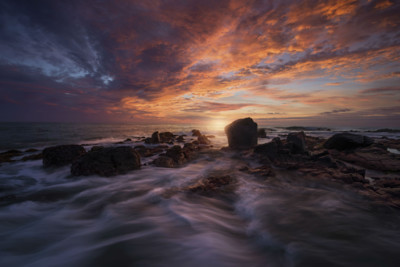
(108, 161)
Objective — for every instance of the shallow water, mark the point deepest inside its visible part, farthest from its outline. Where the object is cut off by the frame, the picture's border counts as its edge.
(145, 218)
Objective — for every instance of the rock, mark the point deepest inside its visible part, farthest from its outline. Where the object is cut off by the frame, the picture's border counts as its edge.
(180, 139)
(242, 134)
(297, 142)
(109, 161)
(166, 137)
(346, 141)
(155, 138)
(6, 156)
(214, 184)
(196, 132)
(203, 140)
(62, 155)
(271, 149)
(31, 150)
(33, 157)
(96, 148)
(127, 140)
(164, 161)
(261, 133)
(177, 154)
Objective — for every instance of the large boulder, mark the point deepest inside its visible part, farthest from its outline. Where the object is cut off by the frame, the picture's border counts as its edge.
(166, 137)
(297, 142)
(345, 141)
(57, 156)
(242, 134)
(108, 161)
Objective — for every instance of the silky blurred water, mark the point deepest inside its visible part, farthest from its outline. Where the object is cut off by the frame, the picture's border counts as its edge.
(145, 218)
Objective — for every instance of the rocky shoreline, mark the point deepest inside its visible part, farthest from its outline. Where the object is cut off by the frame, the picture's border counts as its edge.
(359, 163)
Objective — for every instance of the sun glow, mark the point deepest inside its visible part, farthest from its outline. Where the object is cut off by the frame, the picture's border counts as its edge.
(218, 124)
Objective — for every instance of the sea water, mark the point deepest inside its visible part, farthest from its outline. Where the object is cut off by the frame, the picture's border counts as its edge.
(143, 219)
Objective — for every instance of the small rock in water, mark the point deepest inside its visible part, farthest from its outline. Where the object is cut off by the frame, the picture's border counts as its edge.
(166, 137)
(203, 140)
(164, 161)
(109, 161)
(155, 138)
(213, 184)
(242, 134)
(261, 133)
(196, 132)
(61, 155)
(6, 156)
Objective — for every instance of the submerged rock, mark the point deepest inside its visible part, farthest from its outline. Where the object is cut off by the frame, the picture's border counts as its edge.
(242, 134)
(346, 141)
(214, 184)
(109, 161)
(6, 156)
(62, 155)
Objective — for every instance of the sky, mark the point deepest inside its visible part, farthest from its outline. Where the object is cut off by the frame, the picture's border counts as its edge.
(281, 62)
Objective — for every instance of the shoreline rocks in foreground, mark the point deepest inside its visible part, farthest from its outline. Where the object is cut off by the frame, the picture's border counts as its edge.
(107, 162)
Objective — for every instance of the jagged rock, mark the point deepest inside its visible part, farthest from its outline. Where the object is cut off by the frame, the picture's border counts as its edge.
(177, 154)
(164, 161)
(214, 184)
(180, 139)
(242, 134)
(96, 148)
(297, 142)
(346, 141)
(261, 133)
(196, 132)
(109, 161)
(155, 138)
(62, 155)
(271, 149)
(203, 140)
(166, 137)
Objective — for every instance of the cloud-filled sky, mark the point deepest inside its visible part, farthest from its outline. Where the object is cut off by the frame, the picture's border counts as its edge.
(282, 62)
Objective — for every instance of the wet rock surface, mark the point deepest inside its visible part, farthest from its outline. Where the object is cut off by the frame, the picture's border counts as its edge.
(58, 156)
(109, 161)
(346, 141)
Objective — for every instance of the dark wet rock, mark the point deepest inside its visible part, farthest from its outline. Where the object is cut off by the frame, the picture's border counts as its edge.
(62, 155)
(166, 137)
(196, 132)
(242, 134)
(155, 138)
(261, 133)
(148, 140)
(271, 149)
(96, 148)
(203, 140)
(109, 161)
(347, 141)
(177, 154)
(127, 140)
(8, 155)
(262, 171)
(214, 184)
(33, 157)
(180, 139)
(297, 142)
(31, 150)
(373, 157)
(164, 161)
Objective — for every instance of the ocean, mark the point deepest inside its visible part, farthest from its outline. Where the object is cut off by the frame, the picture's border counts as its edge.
(142, 218)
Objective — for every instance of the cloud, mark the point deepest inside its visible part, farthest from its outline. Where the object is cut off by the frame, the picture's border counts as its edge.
(336, 111)
(381, 90)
